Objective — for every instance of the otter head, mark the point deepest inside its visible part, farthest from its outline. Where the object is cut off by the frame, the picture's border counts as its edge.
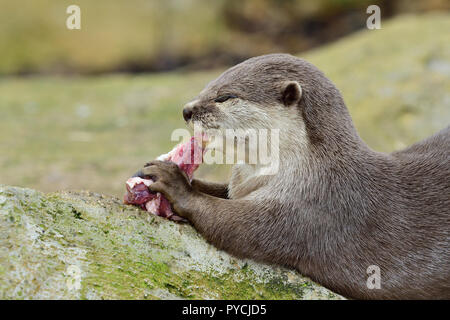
(276, 91)
(251, 95)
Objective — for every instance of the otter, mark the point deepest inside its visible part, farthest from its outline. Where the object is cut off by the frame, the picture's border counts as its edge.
(335, 207)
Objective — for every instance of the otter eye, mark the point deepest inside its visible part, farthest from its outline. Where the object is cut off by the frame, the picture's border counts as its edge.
(225, 97)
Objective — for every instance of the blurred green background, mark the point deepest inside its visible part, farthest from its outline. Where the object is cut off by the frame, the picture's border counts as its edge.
(84, 109)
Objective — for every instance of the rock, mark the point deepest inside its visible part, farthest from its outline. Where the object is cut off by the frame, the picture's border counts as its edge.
(81, 245)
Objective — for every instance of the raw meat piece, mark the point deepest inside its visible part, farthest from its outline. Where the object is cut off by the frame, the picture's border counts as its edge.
(188, 156)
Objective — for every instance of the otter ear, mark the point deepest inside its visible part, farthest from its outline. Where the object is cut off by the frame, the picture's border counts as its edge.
(291, 93)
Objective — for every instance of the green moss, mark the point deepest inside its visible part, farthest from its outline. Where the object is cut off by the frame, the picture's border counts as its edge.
(122, 253)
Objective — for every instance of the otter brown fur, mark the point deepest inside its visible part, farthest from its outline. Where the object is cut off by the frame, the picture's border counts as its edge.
(335, 206)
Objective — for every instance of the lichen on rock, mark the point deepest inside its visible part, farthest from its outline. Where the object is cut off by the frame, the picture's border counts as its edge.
(83, 245)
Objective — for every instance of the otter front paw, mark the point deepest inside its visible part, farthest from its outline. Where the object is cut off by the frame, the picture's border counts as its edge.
(169, 180)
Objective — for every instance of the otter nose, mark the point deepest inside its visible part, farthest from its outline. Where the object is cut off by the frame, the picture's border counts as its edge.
(187, 113)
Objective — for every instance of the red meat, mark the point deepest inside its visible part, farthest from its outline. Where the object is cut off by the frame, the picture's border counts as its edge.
(188, 156)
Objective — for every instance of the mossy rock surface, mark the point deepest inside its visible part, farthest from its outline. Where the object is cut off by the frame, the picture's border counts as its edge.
(83, 245)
